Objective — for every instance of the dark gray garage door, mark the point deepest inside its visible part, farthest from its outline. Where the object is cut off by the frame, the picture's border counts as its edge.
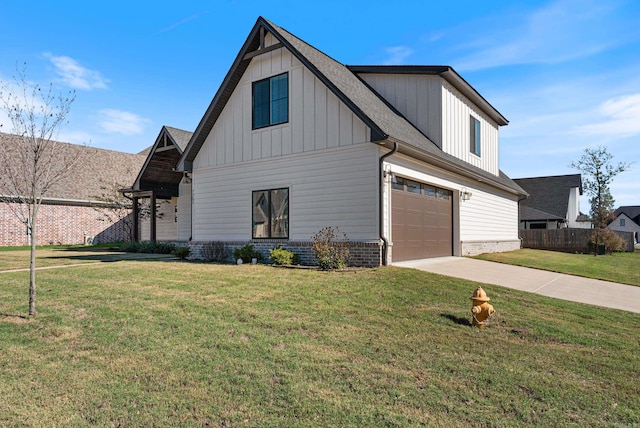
(422, 221)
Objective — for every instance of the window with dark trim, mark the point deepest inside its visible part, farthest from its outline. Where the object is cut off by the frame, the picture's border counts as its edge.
(270, 101)
(474, 137)
(270, 213)
(622, 222)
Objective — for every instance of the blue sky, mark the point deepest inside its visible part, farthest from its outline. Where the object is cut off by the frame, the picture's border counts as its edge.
(566, 73)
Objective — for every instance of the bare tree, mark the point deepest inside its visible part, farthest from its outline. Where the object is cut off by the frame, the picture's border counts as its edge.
(116, 208)
(31, 161)
(598, 173)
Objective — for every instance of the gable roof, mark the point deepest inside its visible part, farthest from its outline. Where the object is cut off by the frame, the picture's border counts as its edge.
(631, 211)
(387, 125)
(99, 169)
(158, 171)
(548, 194)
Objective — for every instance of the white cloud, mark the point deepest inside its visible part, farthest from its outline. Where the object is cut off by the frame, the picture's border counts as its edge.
(122, 122)
(397, 54)
(622, 117)
(75, 75)
(561, 31)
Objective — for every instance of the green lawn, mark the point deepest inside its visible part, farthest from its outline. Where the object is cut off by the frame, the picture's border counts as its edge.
(18, 257)
(150, 343)
(618, 267)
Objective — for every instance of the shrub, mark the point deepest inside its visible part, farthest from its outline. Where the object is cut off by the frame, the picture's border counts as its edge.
(147, 247)
(331, 248)
(247, 253)
(214, 251)
(181, 252)
(281, 256)
(613, 243)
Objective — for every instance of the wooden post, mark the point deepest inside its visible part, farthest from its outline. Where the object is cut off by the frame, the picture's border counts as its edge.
(153, 217)
(136, 213)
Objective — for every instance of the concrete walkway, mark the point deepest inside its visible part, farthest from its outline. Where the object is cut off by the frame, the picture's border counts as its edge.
(561, 286)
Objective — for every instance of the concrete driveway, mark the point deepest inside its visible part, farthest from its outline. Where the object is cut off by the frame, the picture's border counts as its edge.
(561, 286)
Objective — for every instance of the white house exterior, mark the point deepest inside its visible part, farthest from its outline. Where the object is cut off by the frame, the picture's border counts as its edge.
(402, 159)
(627, 219)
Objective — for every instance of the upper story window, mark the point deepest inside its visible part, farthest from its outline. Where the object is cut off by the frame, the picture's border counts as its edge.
(622, 222)
(474, 126)
(271, 101)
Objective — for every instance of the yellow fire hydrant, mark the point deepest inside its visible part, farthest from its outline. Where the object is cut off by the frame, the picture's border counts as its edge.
(481, 310)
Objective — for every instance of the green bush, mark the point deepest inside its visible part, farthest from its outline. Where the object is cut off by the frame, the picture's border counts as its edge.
(147, 247)
(331, 248)
(281, 256)
(247, 253)
(181, 252)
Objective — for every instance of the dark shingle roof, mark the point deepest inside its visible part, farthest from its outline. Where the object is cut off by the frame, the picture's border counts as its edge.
(98, 169)
(548, 195)
(631, 211)
(386, 124)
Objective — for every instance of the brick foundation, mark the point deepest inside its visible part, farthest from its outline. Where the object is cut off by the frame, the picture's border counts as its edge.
(60, 224)
(361, 254)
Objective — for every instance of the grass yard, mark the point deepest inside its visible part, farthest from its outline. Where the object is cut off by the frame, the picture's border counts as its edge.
(18, 257)
(150, 343)
(618, 267)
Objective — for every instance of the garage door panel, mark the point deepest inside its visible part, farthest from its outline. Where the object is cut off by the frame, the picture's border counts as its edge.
(422, 226)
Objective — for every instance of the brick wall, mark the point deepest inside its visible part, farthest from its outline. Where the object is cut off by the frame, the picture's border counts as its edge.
(60, 224)
(362, 254)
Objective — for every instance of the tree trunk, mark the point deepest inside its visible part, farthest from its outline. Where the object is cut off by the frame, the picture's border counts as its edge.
(32, 270)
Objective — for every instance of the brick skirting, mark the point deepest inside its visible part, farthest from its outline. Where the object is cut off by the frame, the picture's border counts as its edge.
(361, 254)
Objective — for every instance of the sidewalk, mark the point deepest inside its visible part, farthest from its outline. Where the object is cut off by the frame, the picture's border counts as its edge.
(558, 285)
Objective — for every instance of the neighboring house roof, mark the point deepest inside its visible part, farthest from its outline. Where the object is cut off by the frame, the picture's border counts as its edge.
(549, 195)
(532, 214)
(158, 172)
(631, 211)
(100, 171)
(386, 124)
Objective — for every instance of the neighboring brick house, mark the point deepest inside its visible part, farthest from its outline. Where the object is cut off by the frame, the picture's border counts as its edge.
(72, 213)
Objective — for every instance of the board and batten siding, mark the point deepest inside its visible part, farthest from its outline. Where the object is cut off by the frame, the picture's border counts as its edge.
(184, 211)
(326, 188)
(166, 225)
(318, 120)
(442, 113)
(418, 98)
(456, 113)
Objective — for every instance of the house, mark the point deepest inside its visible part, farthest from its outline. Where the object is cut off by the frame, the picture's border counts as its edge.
(553, 203)
(76, 209)
(403, 159)
(627, 219)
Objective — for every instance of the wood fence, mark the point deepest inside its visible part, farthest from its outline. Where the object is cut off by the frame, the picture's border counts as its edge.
(565, 240)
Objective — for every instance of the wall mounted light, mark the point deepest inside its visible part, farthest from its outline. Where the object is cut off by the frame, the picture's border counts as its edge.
(465, 195)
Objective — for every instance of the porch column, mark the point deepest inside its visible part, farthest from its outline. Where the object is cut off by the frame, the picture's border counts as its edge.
(136, 226)
(152, 232)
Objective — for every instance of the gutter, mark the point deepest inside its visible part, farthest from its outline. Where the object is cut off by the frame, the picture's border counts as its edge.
(385, 242)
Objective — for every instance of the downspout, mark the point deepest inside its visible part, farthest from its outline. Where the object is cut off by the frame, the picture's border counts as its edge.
(385, 243)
